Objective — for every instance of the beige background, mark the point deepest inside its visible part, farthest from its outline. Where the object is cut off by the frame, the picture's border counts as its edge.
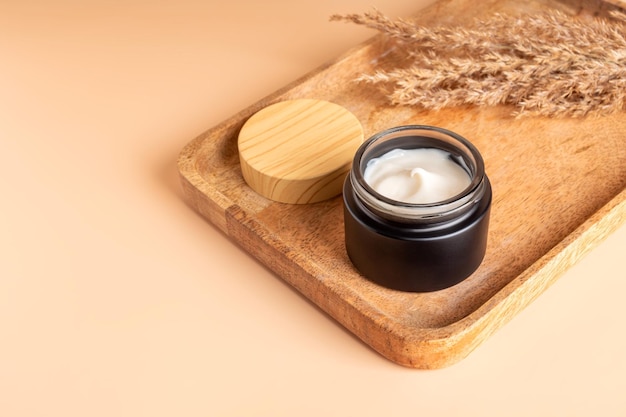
(116, 299)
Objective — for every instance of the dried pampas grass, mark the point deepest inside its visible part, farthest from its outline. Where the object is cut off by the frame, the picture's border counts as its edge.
(549, 64)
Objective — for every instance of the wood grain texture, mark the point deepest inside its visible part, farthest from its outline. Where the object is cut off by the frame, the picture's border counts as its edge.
(620, 3)
(559, 189)
(298, 151)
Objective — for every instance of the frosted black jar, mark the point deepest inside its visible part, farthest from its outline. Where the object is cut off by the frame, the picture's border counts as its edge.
(417, 247)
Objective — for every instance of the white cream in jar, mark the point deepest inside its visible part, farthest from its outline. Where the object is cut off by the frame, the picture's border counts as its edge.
(416, 176)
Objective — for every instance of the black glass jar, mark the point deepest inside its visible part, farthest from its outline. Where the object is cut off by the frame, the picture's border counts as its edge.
(417, 247)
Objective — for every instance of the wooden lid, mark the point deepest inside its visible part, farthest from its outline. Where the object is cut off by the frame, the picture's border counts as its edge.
(299, 151)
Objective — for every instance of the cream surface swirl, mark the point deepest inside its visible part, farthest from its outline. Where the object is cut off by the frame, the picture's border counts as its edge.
(417, 176)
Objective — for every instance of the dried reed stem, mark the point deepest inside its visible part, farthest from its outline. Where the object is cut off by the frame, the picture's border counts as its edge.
(549, 64)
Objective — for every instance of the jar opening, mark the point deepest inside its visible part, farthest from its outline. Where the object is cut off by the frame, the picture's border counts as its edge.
(460, 151)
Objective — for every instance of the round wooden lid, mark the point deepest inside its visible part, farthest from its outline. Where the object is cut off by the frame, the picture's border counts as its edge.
(299, 151)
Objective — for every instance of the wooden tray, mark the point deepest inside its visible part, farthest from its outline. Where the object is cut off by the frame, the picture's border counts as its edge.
(559, 189)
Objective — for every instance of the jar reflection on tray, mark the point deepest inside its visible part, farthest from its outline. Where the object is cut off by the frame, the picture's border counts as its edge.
(417, 246)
